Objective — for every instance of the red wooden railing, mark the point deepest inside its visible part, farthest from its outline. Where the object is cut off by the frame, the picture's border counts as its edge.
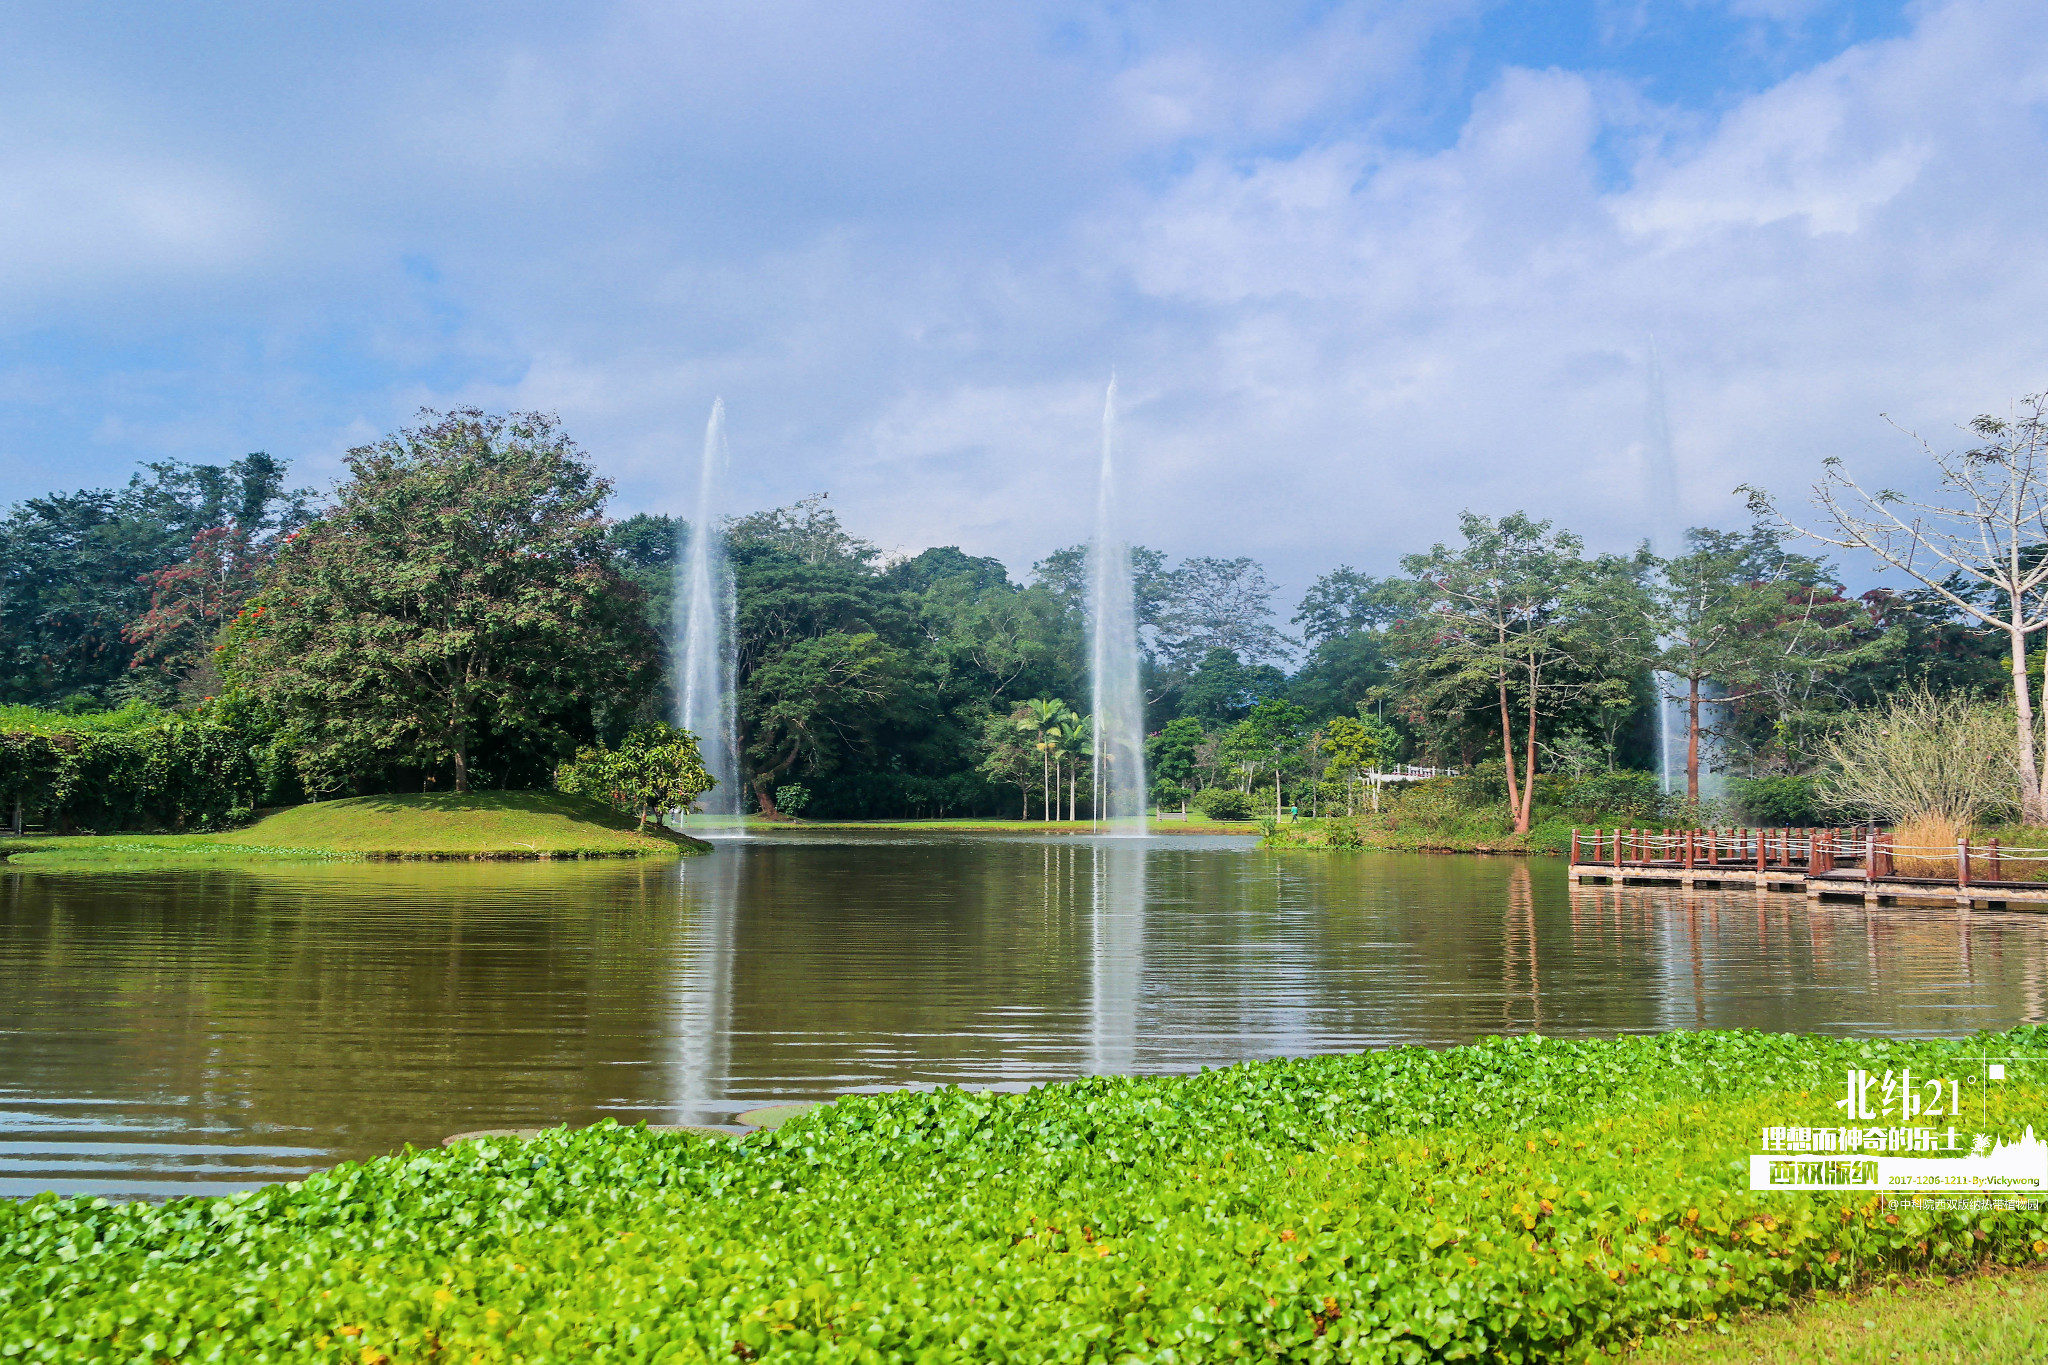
(1813, 851)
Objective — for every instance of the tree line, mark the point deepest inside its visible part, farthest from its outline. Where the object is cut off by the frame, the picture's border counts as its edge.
(462, 612)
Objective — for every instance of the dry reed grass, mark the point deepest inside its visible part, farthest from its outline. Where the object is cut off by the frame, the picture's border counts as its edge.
(1928, 832)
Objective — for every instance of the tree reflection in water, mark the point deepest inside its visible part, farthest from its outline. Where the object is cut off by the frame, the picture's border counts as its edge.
(187, 1031)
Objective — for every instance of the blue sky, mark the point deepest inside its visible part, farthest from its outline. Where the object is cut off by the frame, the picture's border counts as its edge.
(1357, 266)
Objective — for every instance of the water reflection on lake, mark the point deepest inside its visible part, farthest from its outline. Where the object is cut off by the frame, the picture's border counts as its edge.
(205, 1030)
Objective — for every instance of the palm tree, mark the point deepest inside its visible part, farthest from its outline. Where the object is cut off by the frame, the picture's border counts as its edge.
(1075, 738)
(1038, 718)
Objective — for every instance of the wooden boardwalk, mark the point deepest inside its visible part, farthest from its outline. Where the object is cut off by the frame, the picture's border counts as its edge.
(1821, 864)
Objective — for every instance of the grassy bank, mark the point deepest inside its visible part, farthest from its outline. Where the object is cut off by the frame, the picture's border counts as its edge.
(1196, 823)
(472, 825)
(1965, 1320)
(1524, 1200)
(1390, 832)
(1466, 815)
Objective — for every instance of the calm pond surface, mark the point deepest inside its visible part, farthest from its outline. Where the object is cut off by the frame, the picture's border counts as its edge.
(201, 1031)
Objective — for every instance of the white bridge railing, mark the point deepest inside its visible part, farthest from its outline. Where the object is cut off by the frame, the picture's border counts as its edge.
(1408, 772)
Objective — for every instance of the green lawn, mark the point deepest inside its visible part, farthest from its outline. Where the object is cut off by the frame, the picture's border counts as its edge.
(442, 825)
(1965, 1321)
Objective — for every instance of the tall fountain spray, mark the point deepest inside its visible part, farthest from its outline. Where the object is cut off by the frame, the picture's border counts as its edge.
(1665, 517)
(1660, 488)
(1119, 702)
(704, 634)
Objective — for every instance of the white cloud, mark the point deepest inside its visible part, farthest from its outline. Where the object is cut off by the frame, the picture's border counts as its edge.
(1381, 337)
(907, 245)
(85, 218)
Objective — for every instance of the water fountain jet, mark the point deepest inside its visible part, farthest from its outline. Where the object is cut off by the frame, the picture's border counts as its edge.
(704, 634)
(1118, 698)
(1667, 538)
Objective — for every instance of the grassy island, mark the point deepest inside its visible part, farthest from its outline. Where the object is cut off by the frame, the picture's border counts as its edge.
(1518, 1200)
(471, 825)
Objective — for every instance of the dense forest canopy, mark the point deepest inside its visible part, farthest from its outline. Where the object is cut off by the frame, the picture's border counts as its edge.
(462, 611)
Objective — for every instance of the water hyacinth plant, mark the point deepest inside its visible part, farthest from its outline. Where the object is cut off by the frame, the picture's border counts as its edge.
(1518, 1200)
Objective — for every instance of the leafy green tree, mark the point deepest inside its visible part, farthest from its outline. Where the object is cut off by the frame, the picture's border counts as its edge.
(947, 564)
(1361, 744)
(1007, 756)
(655, 768)
(1167, 792)
(1347, 602)
(1268, 739)
(1173, 755)
(1224, 690)
(1064, 574)
(77, 572)
(964, 641)
(1518, 616)
(828, 666)
(459, 588)
(1739, 612)
(645, 549)
(1344, 619)
(814, 701)
(994, 639)
(806, 530)
(1342, 673)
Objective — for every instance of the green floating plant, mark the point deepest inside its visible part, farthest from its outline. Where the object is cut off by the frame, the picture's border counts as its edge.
(1517, 1200)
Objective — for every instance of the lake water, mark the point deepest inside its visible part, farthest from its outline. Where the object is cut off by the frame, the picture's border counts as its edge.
(201, 1031)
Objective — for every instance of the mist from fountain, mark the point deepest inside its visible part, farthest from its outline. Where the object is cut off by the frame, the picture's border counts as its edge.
(1667, 538)
(704, 645)
(1118, 698)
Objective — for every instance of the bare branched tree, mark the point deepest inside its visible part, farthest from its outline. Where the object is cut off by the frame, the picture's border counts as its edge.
(1979, 547)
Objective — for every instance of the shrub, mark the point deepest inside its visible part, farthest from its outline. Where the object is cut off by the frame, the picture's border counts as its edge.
(791, 798)
(1922, 756)
(1223, 803)
(656, 768)
(1782, 800)
(1623, 794)
(1342, 834)
(1483, 785)
(1442, 806)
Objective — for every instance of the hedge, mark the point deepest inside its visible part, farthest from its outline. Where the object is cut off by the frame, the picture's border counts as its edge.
(139, 768)
(1520, 1200)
